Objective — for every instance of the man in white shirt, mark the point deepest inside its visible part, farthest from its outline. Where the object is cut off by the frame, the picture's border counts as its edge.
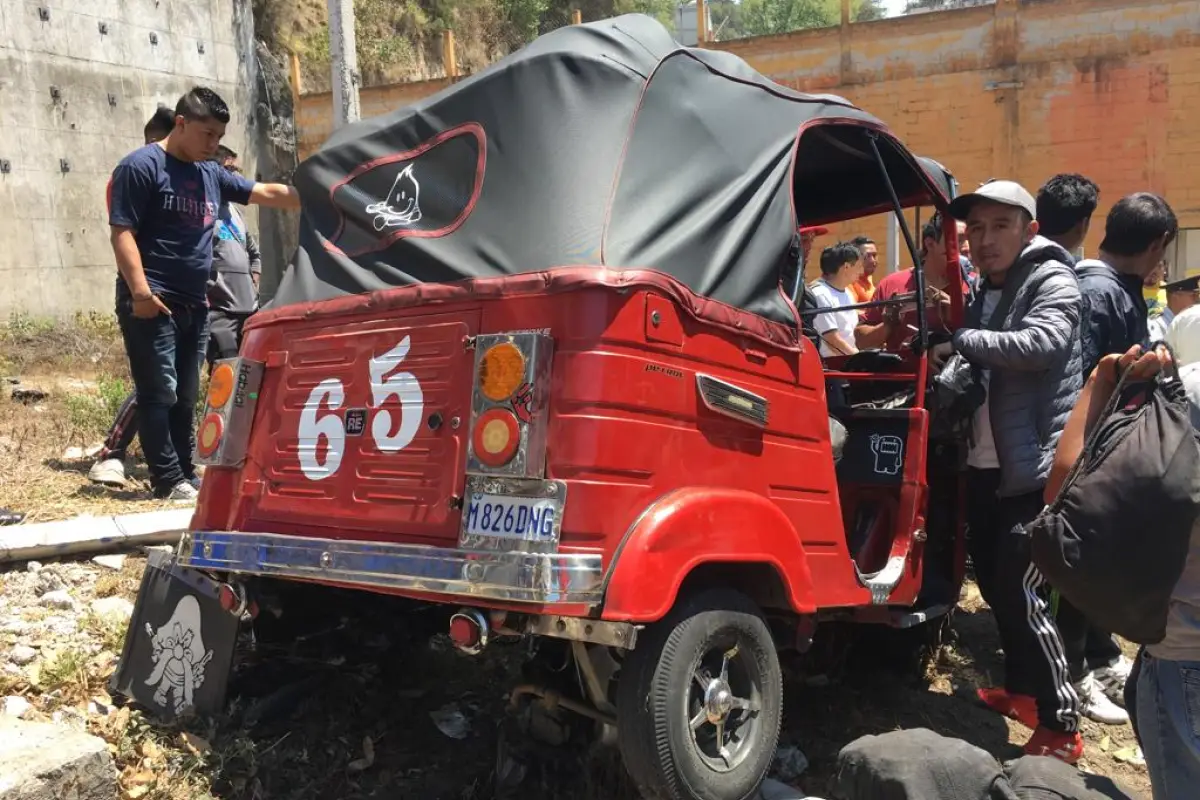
(1181, 295)
(840, 267)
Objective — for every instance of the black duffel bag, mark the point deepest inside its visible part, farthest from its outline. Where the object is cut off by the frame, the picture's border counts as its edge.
(1115, 539)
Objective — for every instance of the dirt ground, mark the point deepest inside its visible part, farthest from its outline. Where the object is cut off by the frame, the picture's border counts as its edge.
(353, 713)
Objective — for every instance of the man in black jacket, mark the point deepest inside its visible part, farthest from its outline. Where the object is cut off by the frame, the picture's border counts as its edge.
(1136, 234)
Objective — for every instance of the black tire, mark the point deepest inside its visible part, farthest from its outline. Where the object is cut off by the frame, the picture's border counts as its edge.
(659, 694)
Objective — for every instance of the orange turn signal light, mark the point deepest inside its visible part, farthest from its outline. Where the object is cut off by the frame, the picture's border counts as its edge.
(220, 386)
(501, 371)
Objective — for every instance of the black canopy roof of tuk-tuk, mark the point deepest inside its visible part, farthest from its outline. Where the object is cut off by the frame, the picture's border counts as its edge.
(604, 144)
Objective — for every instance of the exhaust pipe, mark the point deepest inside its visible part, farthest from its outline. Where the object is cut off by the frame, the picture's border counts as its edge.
(469, 631)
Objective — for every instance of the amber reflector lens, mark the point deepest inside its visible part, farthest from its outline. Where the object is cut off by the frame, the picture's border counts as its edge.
(220, 386)
(496, 437)
(208, 438)
(501, 371)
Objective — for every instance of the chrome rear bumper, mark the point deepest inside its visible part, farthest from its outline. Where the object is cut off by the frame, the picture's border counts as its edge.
(545, 578)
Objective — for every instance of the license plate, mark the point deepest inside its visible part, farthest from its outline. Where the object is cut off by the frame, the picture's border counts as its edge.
(511, 517)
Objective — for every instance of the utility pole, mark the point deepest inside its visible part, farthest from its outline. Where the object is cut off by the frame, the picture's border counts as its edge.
(344, 55)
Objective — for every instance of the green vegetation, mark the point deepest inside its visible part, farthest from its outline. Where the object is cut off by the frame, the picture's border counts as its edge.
(401, 40)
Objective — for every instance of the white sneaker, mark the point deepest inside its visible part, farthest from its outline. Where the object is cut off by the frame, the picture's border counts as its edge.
(109, 472)
(1112, 679)
(183, 492)
(1096, 705)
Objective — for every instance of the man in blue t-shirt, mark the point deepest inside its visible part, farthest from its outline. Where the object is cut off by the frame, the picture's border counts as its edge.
(165, 198)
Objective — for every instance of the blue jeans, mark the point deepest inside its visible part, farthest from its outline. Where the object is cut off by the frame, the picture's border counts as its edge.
(1168, 715)
(165, 354)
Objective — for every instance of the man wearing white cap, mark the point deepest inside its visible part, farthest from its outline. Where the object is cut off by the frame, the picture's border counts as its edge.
(1021, 332)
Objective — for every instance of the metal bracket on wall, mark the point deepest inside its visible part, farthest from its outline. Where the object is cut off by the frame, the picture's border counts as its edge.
(55, 93)
(5, 166)
(103, 26)
(64, 165)
(992, 86)
(43, 14)
(200, 47)
(153, 37)
(112, 100)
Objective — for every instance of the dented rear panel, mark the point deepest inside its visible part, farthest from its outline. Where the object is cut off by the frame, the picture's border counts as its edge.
(365, 430)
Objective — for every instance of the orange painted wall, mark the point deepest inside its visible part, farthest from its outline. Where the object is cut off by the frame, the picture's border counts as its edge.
(1022, 89)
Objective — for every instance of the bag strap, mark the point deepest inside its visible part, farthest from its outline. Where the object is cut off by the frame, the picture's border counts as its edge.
(1092, 440)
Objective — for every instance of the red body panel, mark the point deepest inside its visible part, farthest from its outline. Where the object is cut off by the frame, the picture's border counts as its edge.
(658, 483)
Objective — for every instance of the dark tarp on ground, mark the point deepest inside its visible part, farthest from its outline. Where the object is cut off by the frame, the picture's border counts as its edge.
(605, 144)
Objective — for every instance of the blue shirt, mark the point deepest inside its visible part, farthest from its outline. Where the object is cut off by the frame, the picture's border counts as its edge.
(171, 206)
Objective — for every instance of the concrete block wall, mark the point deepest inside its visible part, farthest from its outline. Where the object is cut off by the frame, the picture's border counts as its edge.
(107, 77)
(1021, 89)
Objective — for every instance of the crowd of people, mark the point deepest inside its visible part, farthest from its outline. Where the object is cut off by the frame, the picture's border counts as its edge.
(1041, 322)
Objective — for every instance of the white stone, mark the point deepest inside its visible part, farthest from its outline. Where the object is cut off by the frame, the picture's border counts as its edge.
(14, 625)
(34, 567)
(22, 654)
(57, 599)
(49, 580)
(15, 706)
(117, 607)
(114, 562)
(40, 762)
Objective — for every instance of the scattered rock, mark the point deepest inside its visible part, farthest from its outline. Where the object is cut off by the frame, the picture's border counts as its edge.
(16, 707)
(49, 580)
(57, 599)
(39, 760)
(34, 566)
(15, 625)
(29, 394)
(22, 654)
(789, 764)
(7, 445)
(450, 721)
(117, 607)
(113, 562)
(774, 790)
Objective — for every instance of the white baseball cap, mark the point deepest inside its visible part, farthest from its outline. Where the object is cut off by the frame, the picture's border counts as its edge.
(1009, 193)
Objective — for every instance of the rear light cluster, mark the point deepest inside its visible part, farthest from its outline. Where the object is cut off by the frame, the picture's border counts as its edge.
(224, 432)
(509, 407)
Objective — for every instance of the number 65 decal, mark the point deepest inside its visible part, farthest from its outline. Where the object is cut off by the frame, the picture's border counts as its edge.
(315, 426)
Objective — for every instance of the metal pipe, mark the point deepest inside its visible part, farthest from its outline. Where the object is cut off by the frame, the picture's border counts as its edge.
(554, 698)
(918, 267)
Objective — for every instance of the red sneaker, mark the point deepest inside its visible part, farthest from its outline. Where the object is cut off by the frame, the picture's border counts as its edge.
(1067, 747)
(1020, 707)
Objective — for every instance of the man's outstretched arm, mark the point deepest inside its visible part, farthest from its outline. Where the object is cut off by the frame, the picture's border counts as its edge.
(275, 195)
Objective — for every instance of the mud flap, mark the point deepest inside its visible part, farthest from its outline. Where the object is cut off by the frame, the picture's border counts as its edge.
(180, 644)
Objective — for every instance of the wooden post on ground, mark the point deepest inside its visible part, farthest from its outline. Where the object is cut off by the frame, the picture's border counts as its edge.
(449, 60)
(701, 22)
(577, 17)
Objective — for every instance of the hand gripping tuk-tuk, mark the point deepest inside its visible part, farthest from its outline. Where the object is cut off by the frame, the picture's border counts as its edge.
(539, 359)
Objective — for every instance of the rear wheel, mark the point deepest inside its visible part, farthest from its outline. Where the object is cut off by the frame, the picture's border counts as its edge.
(699, 701)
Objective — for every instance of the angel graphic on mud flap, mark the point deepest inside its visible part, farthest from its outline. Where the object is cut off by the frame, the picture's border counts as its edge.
(179, 656)
(402, 205)
(889, 454)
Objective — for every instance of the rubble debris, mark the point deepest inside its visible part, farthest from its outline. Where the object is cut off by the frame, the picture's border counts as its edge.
(16, 706)
(115, 562)
(116, 607)
(41, 760)
(789, 764)
(451, 721)
(59, 598)
(29, 395)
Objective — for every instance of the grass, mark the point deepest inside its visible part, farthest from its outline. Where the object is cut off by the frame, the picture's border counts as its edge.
(81, 363)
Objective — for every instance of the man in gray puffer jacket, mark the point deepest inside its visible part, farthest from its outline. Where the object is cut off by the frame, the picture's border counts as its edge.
(1022, 333)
